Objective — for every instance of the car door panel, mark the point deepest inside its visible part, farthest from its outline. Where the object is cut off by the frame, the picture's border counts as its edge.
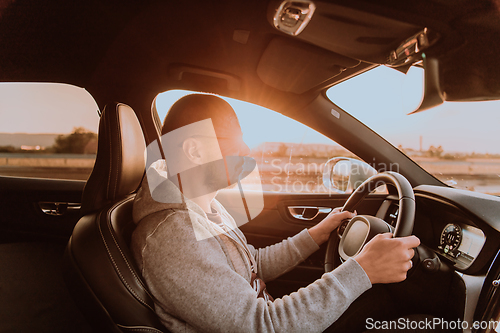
(35, 226)
(38, 209)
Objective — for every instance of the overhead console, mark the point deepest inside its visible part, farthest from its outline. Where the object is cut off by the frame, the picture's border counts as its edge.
(340, 41)
(462, 39)
(351, 32)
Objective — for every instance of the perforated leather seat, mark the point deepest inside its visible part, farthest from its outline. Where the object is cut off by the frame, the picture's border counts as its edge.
(100, 272)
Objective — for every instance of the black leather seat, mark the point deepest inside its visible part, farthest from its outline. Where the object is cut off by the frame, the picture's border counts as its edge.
(100, 272)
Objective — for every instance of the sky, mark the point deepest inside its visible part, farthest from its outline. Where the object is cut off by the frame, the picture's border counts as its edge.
(46, 108)
(456, 126)
(380, 98)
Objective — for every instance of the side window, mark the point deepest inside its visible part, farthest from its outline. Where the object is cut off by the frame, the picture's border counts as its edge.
(47, 130)
(290, 156)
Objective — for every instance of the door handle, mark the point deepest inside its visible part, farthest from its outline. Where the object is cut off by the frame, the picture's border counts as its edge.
(307, 213)
(58, 208)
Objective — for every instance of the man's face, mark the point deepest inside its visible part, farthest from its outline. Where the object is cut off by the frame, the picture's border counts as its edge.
(230, 143)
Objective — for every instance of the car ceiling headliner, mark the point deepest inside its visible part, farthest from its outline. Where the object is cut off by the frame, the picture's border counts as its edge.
(131, 50)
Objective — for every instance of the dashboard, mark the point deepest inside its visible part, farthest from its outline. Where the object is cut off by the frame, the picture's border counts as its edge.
(461, 227)
(459, 257)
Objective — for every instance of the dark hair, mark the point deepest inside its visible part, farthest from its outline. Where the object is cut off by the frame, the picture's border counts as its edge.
(196, 107)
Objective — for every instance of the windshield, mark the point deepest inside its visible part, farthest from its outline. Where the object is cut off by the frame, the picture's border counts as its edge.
(456, 142)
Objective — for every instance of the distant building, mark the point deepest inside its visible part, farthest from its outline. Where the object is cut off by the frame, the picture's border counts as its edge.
(25, 147)
(319, 150)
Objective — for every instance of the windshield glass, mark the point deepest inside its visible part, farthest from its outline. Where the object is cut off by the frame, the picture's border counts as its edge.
(456, 142)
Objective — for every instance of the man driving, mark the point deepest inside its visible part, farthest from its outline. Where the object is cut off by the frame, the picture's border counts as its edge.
(196, 262)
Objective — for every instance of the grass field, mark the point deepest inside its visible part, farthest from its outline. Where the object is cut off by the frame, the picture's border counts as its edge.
(46, 172)
(60, 166)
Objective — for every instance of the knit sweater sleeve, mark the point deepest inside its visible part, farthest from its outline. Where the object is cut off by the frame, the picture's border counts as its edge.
(193, 281)
(275, 260)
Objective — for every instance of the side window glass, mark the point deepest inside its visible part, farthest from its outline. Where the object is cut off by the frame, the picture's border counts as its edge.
(290, 156)
(47, 130)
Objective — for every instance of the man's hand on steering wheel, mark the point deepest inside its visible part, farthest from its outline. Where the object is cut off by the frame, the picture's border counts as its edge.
(385, 259)
(321, 231)
(382, 250)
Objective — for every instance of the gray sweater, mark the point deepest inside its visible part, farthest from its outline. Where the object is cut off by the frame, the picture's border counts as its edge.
(199, 277)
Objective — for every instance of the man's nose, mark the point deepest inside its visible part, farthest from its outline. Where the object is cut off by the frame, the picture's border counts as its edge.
(244, 150)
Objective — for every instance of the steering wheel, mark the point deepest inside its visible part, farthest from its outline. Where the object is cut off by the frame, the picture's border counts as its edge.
(362, 228)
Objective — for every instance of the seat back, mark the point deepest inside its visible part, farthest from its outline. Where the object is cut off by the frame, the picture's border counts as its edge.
(100, 271)
(120, 164)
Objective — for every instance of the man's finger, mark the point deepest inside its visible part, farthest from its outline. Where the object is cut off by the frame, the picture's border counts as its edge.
(411, 241)
(385, 235)
(345, 215)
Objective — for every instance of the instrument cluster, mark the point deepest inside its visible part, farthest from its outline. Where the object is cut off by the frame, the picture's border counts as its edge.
(461, 243)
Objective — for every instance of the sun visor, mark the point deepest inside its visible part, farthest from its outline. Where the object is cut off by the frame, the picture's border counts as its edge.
(298, 67)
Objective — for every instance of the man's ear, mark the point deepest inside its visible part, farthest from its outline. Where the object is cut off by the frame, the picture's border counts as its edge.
(192, 150)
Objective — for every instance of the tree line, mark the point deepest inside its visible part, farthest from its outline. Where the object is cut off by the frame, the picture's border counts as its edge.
(80, 141)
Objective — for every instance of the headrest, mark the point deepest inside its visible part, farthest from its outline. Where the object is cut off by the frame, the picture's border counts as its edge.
(120, 162)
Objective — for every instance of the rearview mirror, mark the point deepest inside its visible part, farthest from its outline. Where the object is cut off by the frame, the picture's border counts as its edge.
(432, 94)
(344, 174)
